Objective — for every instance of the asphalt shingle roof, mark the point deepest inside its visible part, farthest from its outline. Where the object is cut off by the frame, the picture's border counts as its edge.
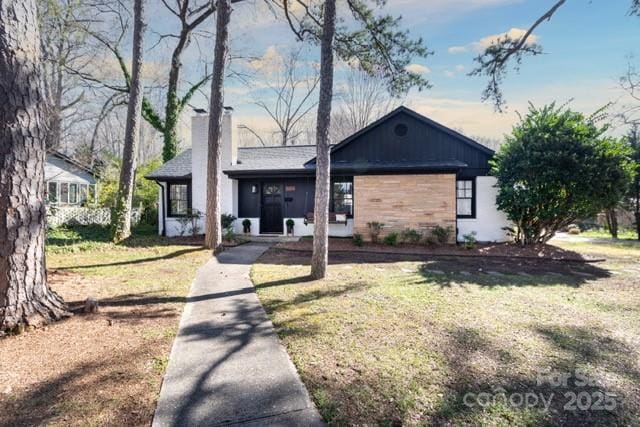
(178, 167)
(273, 158)
(255, 158)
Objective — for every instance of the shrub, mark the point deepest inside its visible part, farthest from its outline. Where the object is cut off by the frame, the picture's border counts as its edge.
(145, 193)
(573, 229)
(410, 235)
(470, 240)
(246, 225)
(442, 234)
(429, 240)
(391, 239)
(227, 221)
(357, 239)
(375, 228)
(556, 166)
(190, 223)
(229, 235)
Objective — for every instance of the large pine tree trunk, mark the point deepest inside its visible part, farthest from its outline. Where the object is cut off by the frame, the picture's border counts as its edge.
(121, 222)
(213, 230)
(320, 256)
(25, 298)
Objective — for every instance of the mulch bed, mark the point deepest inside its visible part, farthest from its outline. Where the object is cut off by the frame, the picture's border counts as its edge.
(496, 250)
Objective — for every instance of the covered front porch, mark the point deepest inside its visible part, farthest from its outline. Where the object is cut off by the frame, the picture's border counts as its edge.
(269, 203)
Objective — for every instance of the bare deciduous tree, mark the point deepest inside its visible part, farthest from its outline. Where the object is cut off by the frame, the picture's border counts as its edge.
(25, 298)
(190, 14)
(121, 222)
(363, 99)
(290, 83)
(630, 83)
(64, 47)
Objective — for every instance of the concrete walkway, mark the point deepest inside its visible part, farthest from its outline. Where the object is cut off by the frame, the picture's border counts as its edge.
(227, 366)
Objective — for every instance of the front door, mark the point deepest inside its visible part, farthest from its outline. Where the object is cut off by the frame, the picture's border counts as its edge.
(271, 218)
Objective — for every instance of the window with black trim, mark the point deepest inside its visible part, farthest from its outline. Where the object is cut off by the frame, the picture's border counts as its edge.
(342, 197)
(464, 198)
(179, 201)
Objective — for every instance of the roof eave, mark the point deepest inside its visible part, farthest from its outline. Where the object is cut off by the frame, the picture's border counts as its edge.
(351, 170)
(167, 178)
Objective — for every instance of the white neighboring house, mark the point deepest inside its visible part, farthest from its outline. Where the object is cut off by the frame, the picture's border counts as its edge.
(403, 170)
(69, 182)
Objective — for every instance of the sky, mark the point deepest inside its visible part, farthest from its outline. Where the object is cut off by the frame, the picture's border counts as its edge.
(587, 46)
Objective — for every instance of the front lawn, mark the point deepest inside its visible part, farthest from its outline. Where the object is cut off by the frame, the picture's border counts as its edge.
(625, 234)
(420, 340)
(104, 368)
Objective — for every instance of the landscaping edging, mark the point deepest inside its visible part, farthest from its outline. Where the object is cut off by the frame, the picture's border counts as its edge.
(449, 255)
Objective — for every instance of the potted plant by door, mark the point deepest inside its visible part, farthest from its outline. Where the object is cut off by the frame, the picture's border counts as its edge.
(290, 224)
(246, 226)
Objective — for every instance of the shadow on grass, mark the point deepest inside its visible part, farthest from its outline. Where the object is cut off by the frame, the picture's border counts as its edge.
(487, 383)
(450, 270)
(541, 397)
(283, 282)
(474, 360)
(274, 305)
(491, 273)
(71, 397)
(150, 298)
(133, 261)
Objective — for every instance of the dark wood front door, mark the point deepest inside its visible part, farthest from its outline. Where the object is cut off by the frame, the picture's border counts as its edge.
(271, 218)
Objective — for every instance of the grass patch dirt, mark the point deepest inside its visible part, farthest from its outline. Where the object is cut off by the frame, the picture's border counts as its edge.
(625, 234)
(391, 340)
(104, 368)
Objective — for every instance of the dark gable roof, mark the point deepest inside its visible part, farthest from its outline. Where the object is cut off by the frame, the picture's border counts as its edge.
(177, 168)
(417, 116)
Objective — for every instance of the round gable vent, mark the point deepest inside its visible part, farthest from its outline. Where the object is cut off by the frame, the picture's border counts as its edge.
(401, 129)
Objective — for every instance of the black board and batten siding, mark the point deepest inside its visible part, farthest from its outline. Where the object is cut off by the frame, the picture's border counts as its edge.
(406, 137)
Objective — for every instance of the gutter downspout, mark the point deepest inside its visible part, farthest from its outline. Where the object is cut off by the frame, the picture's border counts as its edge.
(164, 228)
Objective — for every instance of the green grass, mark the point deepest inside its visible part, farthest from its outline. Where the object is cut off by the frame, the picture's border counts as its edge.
(389, 343)
(71, 239)
(604, 234)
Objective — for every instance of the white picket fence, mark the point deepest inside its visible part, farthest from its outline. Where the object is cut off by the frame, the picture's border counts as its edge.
(84, 216)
